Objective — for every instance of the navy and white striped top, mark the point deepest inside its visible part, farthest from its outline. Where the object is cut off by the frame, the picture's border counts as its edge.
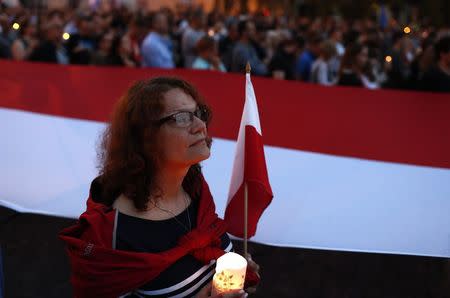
(187, 276)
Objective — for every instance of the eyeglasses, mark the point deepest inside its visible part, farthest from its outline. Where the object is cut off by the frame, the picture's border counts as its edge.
(185, 118)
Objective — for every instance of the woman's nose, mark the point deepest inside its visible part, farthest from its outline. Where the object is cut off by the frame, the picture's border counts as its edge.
(198, 125)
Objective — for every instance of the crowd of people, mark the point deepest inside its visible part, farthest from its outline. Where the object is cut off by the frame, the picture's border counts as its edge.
(370, 52)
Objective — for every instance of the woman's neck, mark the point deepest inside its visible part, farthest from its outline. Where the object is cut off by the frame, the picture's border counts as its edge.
(169, 182)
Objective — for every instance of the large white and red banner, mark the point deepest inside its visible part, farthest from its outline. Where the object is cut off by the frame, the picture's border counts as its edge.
(352, 169)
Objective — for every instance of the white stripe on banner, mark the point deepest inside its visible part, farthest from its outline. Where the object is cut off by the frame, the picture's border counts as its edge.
(321, 201)
(47, 162)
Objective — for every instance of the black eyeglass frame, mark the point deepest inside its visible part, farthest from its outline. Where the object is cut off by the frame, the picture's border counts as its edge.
(201, 113)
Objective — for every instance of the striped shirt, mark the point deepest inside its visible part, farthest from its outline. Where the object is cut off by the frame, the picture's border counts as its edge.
(187, 276)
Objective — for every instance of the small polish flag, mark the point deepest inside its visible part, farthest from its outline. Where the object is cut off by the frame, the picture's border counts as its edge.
(249, 169)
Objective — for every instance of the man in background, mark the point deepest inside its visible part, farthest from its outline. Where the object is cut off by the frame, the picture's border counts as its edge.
(157, 46)
(244, 51)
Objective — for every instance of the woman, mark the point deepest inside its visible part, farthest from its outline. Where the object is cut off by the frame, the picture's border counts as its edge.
(104, 53)
(354, 64)
(207, 55)
(150, 229)
(320, 69)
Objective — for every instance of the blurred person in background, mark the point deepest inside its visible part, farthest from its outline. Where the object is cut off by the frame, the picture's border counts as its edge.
(403, 54)
(157, 47)
(273, 40)
(103, 18)
(321, 71)
(244, 51)
(353, 67)
(377, 67)
(82, 44)
(438, 77)
(123, 14)
(281, 66)
(423, 62)
(207, 57)
(282, 26)
(130, 42)
(191, 35)
(228, 41)
(259, 40)
(125, 54)
(104, 54)
(173, 33)
(27, 41)
(51, 49)
(307, 57)
(336, 36)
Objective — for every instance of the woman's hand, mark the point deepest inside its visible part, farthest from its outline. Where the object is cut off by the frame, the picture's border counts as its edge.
(206, 293)
(255, 268)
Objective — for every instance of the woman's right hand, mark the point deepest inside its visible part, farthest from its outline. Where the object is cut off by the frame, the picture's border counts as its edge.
(206, 293)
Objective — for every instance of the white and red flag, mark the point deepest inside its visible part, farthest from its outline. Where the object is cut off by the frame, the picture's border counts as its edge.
(249, 169)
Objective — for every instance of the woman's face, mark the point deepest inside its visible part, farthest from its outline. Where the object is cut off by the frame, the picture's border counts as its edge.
(181, 143)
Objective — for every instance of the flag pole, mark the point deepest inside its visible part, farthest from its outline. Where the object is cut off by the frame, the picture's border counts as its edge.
(247, 70)
(245, 219)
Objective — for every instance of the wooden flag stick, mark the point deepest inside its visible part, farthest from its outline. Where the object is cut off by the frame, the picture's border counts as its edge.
(245, 220)
(248, 69)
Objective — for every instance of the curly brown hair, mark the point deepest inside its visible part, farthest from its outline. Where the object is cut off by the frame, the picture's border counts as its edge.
(128, 156)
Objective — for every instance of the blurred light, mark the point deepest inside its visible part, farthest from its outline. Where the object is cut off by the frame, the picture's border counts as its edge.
(388, 59)
(424, 34)
(16, 26)
(66, 36)
(211, 32)
(407, 30)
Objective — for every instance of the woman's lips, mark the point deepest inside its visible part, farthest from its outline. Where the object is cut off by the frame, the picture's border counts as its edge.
(198, 142)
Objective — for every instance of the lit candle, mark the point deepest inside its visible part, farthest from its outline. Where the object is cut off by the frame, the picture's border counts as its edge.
(230, 273)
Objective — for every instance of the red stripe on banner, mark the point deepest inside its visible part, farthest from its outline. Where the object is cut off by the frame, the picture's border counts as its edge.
(258, 188)
(387, 125)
